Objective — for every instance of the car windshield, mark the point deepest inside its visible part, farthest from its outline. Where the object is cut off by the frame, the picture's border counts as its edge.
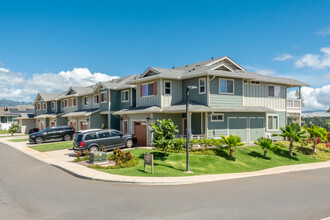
(46, 129)
(78, 137)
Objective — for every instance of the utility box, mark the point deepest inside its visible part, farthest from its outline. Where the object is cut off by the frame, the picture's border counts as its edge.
(97, 157)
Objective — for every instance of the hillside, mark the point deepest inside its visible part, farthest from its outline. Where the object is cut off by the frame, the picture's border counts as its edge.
(6, 102)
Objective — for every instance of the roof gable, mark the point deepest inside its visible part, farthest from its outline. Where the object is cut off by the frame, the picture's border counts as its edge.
(223, 67)
(149, 72)
(226, 61)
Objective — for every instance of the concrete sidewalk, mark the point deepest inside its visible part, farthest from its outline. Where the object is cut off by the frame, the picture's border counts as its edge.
(87, 173)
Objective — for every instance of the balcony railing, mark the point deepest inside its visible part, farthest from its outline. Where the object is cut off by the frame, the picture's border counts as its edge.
(293, 105)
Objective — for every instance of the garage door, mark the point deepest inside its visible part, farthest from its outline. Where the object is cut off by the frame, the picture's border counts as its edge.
(256, 128)
(238, 126)
(140, 132)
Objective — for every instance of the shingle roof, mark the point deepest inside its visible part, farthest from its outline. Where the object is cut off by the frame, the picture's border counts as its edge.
(120, 83)
(16, 111)
(81, 113)
(49, 96)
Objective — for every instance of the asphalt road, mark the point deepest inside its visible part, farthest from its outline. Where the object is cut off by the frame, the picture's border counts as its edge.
(30, 189)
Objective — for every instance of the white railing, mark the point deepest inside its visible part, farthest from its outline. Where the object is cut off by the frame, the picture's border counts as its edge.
(293, 105)
(193, 136)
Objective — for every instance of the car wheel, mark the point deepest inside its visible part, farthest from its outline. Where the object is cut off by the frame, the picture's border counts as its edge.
(67, 137)
(129, 143)
(93, 149)
(39, 140)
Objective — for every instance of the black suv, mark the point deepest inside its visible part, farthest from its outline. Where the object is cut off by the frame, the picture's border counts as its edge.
(52, 134)
(95, 140)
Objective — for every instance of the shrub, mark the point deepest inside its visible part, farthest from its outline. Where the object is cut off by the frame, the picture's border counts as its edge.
(14, 128)
(265, 144)
(121, 157)
(164, 134)
(179, 143)
(231, 142)
(134, 161)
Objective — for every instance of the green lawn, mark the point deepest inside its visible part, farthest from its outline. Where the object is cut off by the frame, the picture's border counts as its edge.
(246, 159)
(52, 146)
(4, 132)
(19, 140)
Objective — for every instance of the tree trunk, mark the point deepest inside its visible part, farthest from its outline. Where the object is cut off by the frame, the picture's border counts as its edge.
(231, 153)
(12, 134)
(314, 147)
(265, 153)
(291, 148)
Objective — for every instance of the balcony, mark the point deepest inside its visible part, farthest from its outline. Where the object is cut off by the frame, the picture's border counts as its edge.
(293, 105)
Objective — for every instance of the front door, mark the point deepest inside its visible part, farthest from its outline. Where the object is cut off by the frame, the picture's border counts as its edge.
(52, 124)
(83, 125)
(140, 132)
(74, 125)
(42, 126)
(238, 126)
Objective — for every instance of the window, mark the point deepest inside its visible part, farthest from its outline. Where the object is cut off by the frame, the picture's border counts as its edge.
(168, 86)
(202, 86)
(3, 119)
(104, 134)
(62, 104)
(124, 96)
(96, 99)
(53, 105)
(274, 91)
(227, 86)
(217, 117)
(90, 136)
(255, 83)
(39, 106)
(245, 81)
(65, 103)
(85, 101)
(44, 105)
(148, 89)
(272, 122)
(116, 133)
(74, 102)
(104, 97)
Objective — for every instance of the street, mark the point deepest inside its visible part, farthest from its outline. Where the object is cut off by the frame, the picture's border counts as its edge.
(30, 189)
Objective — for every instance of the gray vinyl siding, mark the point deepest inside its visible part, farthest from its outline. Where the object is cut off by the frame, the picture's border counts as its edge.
(89, 100)
(196, 123)
(261, 90)
(282, 121)
(70, 109)
(104, 106)
(61, 121)
(97, 119)
(194, 95)
(80, 103)
(115, 122)
(125, 105)
(217, 99)
(176, 93)
(176, 118)
(115, 100)
(216, 129)
(149, 100)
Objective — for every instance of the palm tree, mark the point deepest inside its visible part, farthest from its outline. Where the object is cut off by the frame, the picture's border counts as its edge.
(265, 144)
(232, 141)
(293, 133)
(316, 133)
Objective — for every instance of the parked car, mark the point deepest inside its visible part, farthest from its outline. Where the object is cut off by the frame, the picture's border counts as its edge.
(52, 134)
(33, 130)
(109, 139)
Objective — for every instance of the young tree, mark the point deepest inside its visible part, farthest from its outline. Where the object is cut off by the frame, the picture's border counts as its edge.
(14, 128)
(265, 144)
(293, 133)
(232, 142)
(316, 133)
(164, 134)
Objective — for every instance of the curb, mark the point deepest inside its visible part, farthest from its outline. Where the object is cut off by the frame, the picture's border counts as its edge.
(91, 174)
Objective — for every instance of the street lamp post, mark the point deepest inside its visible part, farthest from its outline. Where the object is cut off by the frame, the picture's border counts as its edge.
(188, 132)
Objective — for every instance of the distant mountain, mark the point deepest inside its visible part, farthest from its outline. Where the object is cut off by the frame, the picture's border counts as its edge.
(6, 102)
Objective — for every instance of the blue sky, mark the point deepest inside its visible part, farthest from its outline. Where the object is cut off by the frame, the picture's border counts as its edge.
(125, 37)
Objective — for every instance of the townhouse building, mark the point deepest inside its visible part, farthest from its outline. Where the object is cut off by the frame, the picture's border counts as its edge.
(228, 100)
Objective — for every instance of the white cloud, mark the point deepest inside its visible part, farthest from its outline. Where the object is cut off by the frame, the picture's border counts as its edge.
(263, 71)
(314, 60)
(324, 32)
(283, 57)
(16, 86)
(314, 98)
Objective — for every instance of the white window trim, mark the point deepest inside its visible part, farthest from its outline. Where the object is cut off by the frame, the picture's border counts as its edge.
(148, 95)
(72, 102)
(62, 104)
(53, 103)
(44, 106)
(167, 81)
(199, 85)
(223, 117)
(86, 97)
(106, 98)
(95, 101)
(278, 122)
(121, 96)
(67, 103)
(228, 93)
(274, 91)
(255, 84)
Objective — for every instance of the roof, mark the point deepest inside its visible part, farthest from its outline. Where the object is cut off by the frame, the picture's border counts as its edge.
(48, 115)
(120, 83)
(16, 111)
(222, 67)
(181, 108)
(81, 113)
(315, 114)
(49, 96)
(78, 91)
(25, 116)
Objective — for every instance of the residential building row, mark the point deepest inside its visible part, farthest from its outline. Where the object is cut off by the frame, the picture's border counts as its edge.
(228, 100)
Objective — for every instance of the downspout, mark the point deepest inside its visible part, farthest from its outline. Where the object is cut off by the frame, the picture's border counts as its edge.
(109, 109)
(206, 128)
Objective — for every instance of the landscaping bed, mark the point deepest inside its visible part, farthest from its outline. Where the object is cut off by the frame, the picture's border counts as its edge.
(246, 159)
(52, 146)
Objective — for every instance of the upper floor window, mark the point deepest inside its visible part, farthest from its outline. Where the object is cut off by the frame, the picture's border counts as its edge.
(65, 103)
(148, 89)
(124, 96)
(255, 83)
(74, 102)
(53, 105)
(39, 106)
(245, 81)
(85, 101)
(96, 99)
(202, 85)
(272, 122)
(227, 86)
(104, 97)
(274, 91)
(168, 88)
(62, 105)
(44, 105)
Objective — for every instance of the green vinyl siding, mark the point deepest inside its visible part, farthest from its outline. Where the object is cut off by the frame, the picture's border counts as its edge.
(194, 95)
(238, 126)
(217, 99)
(176, 118)
(196, 123)
(97, 119)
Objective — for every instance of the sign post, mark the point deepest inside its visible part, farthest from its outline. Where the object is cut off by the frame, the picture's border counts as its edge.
(149, 160)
